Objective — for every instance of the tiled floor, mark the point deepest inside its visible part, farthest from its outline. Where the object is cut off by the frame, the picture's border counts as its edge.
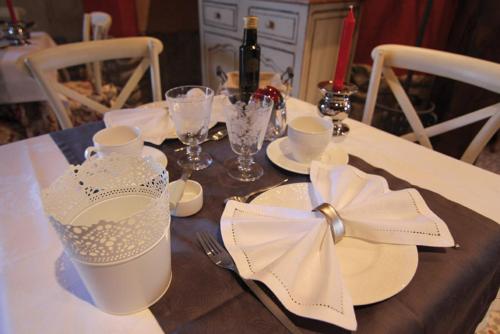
(490, 158)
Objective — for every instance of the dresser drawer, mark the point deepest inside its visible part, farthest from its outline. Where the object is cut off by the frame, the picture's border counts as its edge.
(274, 60)
(220, 15)
(276, 25)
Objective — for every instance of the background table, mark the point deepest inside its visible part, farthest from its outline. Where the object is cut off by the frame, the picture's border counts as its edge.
(17, 86)
(36, 296)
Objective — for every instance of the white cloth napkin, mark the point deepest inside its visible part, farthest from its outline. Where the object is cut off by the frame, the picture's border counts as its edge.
(372, 212)
(293, 252)
(155, 123)
(281, 248)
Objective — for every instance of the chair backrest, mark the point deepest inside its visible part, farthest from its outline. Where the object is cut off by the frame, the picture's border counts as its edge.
(477, 72)
(96, 24)
(41, 63)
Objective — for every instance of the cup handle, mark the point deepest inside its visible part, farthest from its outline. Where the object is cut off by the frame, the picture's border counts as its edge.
(89, 151)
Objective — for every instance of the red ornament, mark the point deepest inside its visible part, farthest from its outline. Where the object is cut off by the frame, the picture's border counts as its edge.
(273, 93)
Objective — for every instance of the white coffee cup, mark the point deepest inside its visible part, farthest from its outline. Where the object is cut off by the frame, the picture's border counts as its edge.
(119, 139)
(308, 137)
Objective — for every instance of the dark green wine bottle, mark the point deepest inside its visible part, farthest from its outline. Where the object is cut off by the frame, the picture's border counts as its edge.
(249, 58)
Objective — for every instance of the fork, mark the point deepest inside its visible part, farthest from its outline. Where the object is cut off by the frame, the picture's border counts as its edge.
(223, 259)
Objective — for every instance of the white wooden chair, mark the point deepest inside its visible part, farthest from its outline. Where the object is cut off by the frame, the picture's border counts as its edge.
(96, 27)
(41, 63)
(473, 71)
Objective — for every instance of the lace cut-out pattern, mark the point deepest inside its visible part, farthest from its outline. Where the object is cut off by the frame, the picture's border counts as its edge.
(100, 179)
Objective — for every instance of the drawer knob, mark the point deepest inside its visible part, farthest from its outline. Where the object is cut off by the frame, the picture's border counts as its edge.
(270, 24)
(217, 16)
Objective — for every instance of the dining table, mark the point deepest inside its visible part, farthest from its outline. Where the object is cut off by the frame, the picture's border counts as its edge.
(40, 290)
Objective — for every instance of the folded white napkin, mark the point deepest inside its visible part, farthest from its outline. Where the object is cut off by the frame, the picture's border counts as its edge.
(293, 252)
(372, 212)
(155, 123)
(283, 248)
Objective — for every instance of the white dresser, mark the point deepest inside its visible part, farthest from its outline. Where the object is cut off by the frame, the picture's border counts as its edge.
(301, 34)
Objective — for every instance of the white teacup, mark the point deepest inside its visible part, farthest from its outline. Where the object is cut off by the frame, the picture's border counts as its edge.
(120, 139)
(308, 137)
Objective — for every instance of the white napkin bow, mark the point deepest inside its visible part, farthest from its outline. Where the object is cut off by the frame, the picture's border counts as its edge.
(155, 123)
(286, 248)
(372, 212)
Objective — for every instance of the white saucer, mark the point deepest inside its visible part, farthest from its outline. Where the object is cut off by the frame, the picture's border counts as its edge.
(156, 154)
(280, 154)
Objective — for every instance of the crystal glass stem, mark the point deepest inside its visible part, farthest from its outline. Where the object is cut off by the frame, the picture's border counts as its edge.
(193, 151)
(246, 162)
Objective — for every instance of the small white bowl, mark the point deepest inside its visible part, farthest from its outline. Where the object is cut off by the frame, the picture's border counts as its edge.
(191, 200)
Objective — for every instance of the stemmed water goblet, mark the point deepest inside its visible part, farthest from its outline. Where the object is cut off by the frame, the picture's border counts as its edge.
(190, 108)
(246, 121)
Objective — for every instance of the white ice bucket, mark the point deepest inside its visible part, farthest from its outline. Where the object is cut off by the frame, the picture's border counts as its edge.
(112, 215)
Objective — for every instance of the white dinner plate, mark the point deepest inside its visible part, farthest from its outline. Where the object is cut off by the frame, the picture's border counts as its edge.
(171, 134)
(280, 153)
(156, 154)
(372, 271)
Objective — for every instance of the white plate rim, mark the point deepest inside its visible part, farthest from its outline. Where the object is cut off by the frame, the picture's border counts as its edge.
(155, 154)
(359, 294)
(277, 157)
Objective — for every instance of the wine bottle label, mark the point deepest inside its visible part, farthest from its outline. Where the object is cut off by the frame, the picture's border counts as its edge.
(250, 22)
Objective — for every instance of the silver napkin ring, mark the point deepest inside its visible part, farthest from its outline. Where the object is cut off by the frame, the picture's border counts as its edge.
(333, 219)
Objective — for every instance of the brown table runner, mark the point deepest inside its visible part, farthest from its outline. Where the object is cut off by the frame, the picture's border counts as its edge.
(450, 292)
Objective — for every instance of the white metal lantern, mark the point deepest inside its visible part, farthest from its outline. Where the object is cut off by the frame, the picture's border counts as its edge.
(112, 216)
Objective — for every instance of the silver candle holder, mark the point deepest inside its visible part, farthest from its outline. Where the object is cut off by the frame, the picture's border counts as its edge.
(336, 104)
(17, 33)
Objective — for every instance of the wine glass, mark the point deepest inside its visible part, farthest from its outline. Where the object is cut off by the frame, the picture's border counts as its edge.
(190, 108)
(246, 121)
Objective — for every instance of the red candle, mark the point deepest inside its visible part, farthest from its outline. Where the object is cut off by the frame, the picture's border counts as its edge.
(12, 12)
(344, 50)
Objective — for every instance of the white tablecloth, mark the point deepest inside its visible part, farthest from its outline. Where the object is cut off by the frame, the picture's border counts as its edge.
(15, 85)
(32, 297)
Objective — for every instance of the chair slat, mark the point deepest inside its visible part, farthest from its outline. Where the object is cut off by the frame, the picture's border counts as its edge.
(406, 106)
(371, 97)
(80, 98)
(131, 84)
(457, 122)
(481, 139)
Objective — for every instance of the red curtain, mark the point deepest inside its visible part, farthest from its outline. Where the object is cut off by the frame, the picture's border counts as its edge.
(123, 13)
(397, 22)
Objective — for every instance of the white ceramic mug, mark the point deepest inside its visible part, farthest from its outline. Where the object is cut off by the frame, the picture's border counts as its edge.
(120, 139)
(308, 137)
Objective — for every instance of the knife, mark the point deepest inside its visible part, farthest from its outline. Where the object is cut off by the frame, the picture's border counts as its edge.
(178, 189)
(271, 306)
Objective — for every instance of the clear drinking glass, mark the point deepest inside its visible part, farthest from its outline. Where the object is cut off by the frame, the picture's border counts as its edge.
(190, 108)
(246, 124)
